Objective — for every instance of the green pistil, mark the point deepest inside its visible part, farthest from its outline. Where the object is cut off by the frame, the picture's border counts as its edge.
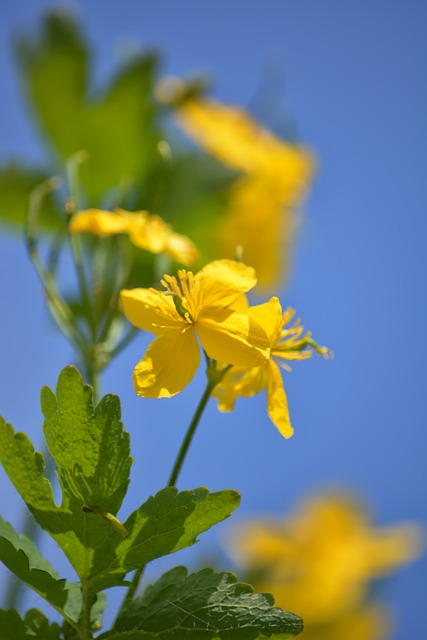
(179, 306)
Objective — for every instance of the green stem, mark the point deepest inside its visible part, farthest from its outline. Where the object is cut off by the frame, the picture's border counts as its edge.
(190, 435)
(176, 470)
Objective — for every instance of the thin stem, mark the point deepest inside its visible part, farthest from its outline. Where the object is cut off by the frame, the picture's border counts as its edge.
(176, 470)
(190, 434)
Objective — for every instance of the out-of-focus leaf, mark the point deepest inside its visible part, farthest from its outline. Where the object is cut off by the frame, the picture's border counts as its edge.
(35, 626)
(16, 185)
(193, 198)
(204, 606)
(116, 128)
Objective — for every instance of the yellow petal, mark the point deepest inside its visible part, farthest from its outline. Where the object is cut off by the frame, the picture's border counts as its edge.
(222, 281)
(277, 403)
(233, 338)
(181, 249)
(99, 222)
(168, 365)
(269, 316)
(239, 381)
(151, 310)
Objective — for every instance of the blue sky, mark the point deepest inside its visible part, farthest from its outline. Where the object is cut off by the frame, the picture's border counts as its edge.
(353, 74)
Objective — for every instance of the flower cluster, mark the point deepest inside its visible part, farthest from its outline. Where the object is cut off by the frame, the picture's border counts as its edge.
(321, 562)
(245, 342)
(260, 215)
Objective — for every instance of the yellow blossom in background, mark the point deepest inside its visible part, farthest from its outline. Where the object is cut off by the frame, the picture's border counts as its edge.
(261, 210)
(287, 342)
(146, 231)
(190, 305)
(319, 563)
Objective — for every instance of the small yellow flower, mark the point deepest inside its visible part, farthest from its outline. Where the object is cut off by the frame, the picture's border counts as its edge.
(146, 231)
(261, 209)
(319, 563)
(190, 305)
(287, 342)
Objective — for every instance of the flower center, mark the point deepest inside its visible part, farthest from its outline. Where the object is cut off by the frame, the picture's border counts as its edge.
(183, 291)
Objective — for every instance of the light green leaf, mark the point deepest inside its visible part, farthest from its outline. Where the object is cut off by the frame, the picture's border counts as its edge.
(203, 606)
(167, 522)
(35, 626)
(115, 128)
(23, 558)
(91, 453)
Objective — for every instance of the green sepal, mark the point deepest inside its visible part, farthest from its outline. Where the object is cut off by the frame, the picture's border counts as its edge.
(203, 606)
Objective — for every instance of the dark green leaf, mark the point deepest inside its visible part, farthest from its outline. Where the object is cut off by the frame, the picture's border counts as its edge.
(167, 522)
(22, 557)
(35, 626)
(203, 606)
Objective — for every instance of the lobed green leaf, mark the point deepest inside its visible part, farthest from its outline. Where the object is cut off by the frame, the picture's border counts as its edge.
(203, 606)
(91, 454)
(22, 557)
(167, 522)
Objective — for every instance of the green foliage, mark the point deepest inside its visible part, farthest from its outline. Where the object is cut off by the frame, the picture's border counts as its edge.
(203, 606)
(119, 128)
(35, 626)
(91, 454)
(115, 128)
(23, 558)
(16, 185)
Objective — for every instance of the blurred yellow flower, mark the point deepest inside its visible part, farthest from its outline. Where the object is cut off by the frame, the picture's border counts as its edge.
(287, 342)
(319, 563)
(261, 210)
(193, 304)
(146, 231)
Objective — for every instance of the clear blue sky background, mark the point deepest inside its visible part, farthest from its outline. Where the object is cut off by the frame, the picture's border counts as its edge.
(355, 80)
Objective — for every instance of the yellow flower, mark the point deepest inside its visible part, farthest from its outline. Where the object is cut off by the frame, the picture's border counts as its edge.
(261, 209)
(287, 342)
(193, 304)
(146, 231)
(319, 563)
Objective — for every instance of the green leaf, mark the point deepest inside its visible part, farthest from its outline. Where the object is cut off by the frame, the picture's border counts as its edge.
(35, 626)
(167, 522)
(115, 128)
(91, 454)
(23, 558)
(204, 606)
(16, 185)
